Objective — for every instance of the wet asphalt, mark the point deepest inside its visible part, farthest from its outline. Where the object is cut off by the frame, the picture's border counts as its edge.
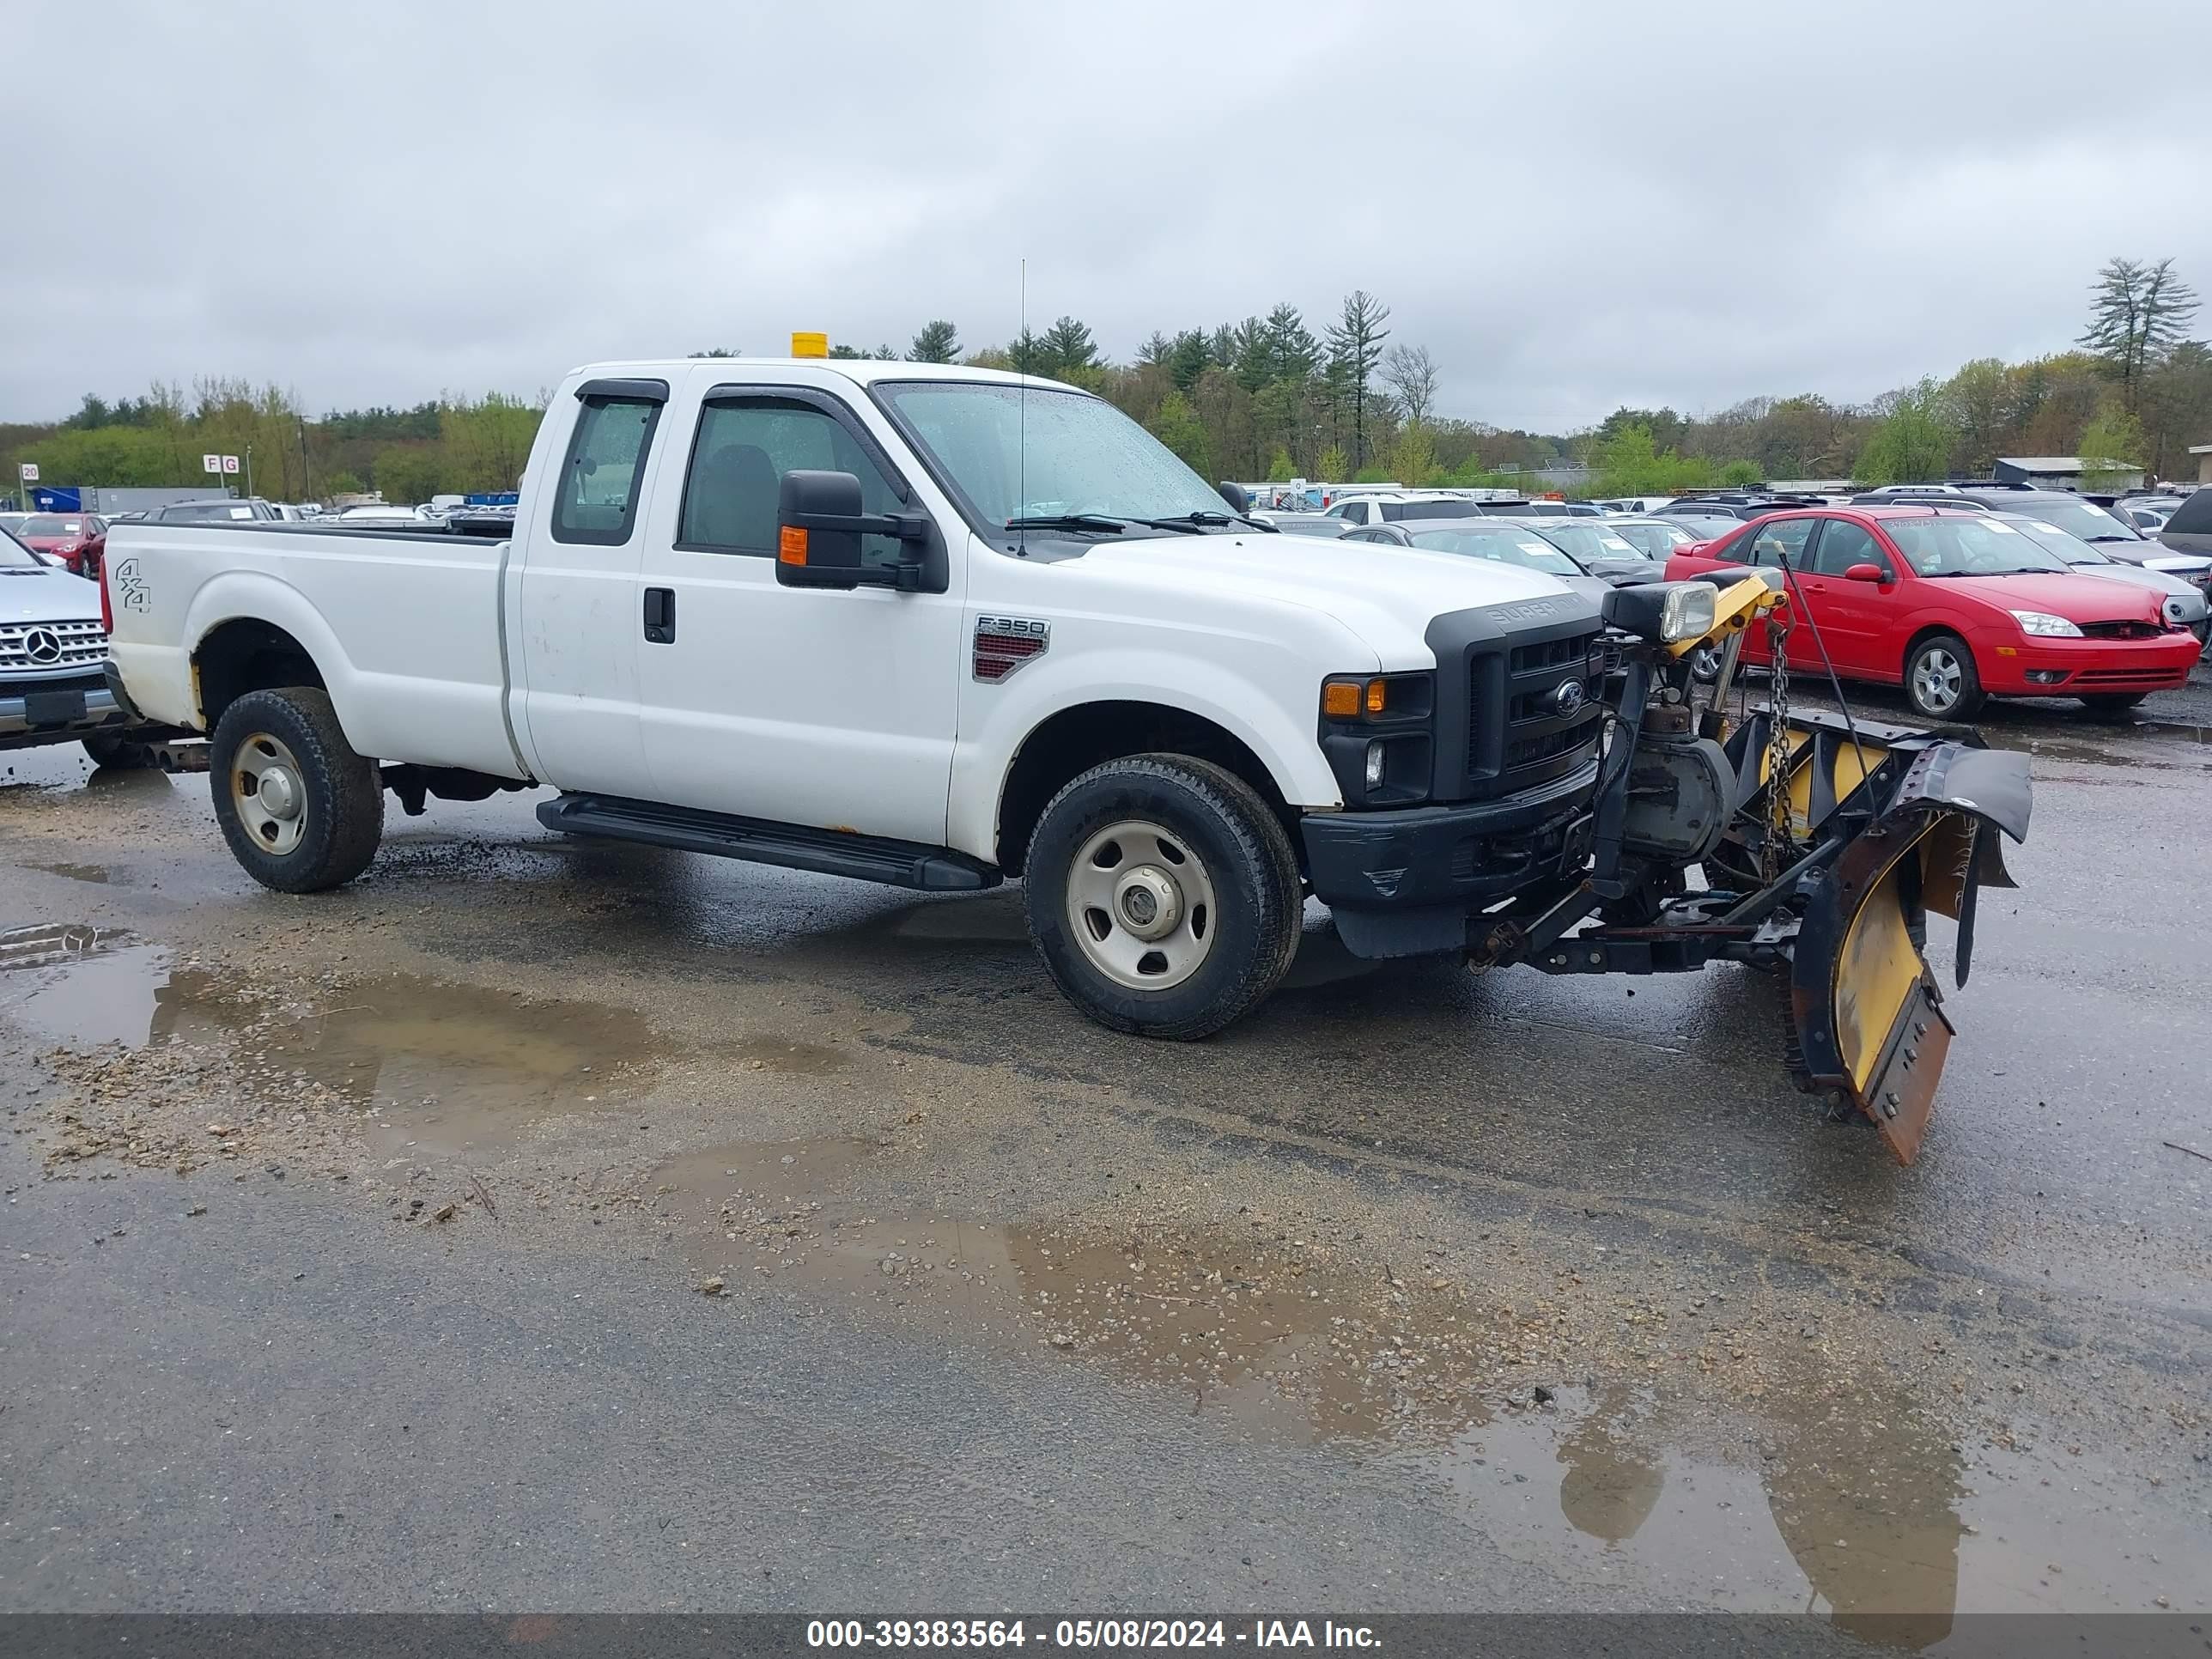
(1415, 1291)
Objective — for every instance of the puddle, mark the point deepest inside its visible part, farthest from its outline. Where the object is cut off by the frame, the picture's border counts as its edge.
(1858, 1507)
(1260, 1332)
(92, 872)
(437, 1065)
(1827, 1497)
(80, 986)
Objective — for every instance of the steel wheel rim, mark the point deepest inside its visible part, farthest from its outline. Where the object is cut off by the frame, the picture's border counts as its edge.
(1705, 663)
(1140, 904)
(1940, 678)
(269, 794)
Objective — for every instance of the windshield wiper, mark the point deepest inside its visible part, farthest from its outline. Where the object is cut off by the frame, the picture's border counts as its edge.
(1205, 520)
(1098, 522)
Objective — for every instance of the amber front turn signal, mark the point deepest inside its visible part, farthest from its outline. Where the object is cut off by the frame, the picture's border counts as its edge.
(1350, 699)
(791, 545)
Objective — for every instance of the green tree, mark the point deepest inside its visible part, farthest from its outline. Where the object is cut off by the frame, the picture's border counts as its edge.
(1293, 354)
(2137, 313)
(1279, 469)
(1913, 443)
(2111, 449)
(1178, 427)
(1355, 344)
(1188, 358)
(1413, 456)
(1068, 349)
(1741, 475)
(937, 343)
(1331, 466)
(409, 473)
(720, 351)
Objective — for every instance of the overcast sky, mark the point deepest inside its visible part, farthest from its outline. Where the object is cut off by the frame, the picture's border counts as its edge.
(1572, 206)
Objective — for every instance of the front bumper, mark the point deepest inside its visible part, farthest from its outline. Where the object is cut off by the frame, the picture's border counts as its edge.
(2075, 668)
(1404, 883)
(56, 711)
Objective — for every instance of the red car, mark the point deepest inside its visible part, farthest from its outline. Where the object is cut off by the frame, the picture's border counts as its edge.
(1956, 607)
(78, 539)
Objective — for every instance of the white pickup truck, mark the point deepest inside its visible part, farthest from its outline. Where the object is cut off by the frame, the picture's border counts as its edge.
(935, 626)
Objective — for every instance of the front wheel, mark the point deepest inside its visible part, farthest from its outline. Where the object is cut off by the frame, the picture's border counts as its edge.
(300, 810)
(1941, 681)
(1163, 896)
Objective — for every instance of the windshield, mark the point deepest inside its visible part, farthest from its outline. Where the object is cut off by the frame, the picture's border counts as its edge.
(1589, 542)
(2084, 518)
(1968, 547)
(1507, 545)
(2052, 539)
(1010, 453)
(50, 524)
(1654, 541)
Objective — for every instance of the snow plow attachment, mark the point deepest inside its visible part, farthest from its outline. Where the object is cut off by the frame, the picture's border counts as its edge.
(1881, 828)
(1824, 842)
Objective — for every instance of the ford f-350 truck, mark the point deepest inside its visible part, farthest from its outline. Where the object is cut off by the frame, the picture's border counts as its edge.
(935, 626)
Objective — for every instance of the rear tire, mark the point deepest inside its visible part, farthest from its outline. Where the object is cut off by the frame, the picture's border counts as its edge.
(302, 811)
(1940, 681)
(2113, 704)
(1169, 843)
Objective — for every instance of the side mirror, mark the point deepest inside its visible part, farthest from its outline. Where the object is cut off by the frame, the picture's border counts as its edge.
(819, 524)
(1239, 499)
(1867, 572)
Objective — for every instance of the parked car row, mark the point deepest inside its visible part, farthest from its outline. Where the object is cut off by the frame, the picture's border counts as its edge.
(1956, 603)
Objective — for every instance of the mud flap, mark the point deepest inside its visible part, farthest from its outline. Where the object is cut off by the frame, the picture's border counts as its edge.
(1868, 1014)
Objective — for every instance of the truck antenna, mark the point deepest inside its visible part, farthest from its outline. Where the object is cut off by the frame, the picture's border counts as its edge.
(1022, 441)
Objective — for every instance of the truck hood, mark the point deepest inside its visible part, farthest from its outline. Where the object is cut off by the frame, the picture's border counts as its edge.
(46, 595)
(2077, 598)
(1387, 595)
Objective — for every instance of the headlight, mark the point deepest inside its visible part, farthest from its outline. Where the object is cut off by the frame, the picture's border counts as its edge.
(2043, 623)
(1688, 612)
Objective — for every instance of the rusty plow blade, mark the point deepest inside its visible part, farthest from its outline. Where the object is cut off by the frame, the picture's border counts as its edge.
(1914, 821)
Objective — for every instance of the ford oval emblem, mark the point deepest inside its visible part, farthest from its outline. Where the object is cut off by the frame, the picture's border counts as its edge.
(1568, 699)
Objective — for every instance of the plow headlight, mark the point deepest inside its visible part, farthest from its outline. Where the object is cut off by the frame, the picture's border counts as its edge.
(2042, 622)
(1663, 612)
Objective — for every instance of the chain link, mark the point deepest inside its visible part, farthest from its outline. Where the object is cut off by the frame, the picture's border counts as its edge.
(1774, 853)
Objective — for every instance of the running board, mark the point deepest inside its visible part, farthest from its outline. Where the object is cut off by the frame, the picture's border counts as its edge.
(791, 846)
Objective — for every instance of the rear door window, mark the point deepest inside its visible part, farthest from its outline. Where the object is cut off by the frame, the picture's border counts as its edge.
(2193, 517)
(604, 473)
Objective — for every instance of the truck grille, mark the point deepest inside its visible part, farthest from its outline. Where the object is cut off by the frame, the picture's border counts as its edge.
(34, 646)
(1518, 734)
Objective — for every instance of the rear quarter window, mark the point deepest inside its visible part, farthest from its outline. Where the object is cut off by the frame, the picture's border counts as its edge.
(2193, 517)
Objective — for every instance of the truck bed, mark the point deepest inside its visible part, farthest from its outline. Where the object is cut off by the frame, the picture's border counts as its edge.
(405, 627)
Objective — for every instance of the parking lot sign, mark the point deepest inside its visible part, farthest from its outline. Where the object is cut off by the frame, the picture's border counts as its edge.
(230, 463)
(29, 471)
(211, 462)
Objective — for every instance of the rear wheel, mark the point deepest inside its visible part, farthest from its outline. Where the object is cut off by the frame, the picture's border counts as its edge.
(2113, 704)
(1163, 896)
(300, 810)
(1939, 679)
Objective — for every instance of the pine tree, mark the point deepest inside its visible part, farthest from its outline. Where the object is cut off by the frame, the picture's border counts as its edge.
(938, 343)
(1355, 343)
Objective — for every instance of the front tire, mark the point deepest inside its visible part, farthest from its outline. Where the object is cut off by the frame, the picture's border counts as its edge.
(1163, 896)
(1940, 681)
(302, 811)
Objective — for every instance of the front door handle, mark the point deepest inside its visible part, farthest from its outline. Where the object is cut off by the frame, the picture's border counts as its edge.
(660, 616)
